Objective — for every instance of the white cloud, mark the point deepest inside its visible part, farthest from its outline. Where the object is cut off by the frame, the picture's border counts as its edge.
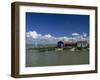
(75, 34)
(84, 34)
(47, 36)
(33, 37)
(33, 34)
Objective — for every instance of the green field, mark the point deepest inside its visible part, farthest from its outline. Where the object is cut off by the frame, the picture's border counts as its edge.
(36, 57)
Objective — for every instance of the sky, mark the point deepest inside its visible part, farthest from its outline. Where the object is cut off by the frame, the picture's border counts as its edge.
(57, 24)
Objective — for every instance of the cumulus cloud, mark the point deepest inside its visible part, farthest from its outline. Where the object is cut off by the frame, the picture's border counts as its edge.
(33, 37)
(84, 34)
(33, 34)
(75, 34)
(47, 36)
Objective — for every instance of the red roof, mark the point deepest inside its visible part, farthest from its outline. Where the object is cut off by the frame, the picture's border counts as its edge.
(70, 42)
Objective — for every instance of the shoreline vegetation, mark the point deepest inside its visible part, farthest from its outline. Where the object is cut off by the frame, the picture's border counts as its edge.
(43, 49)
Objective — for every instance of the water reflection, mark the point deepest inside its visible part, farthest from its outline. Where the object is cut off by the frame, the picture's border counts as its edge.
(52, 58)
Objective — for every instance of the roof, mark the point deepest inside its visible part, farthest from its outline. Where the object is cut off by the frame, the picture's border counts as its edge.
(75, 42)
(70, 42)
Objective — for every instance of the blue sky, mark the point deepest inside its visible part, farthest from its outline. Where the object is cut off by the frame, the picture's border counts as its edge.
(57, 24)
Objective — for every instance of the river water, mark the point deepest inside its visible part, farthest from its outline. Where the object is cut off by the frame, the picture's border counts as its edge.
(35, 58)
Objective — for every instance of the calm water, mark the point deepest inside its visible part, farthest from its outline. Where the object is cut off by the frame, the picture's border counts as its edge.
(52, 58)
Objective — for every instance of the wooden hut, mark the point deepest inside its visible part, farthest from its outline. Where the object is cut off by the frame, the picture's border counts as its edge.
(81, 44)
(60, 44)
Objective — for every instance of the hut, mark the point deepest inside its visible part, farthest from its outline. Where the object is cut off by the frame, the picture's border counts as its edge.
(60, 44)
(79, 44)
(70, 44)
(82, 44)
